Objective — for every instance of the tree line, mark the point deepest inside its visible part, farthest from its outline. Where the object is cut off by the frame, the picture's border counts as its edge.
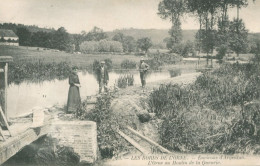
(216, 31)
(96, 40)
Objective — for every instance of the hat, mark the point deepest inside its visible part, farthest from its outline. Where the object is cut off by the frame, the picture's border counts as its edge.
(142, 59)
(102, 62)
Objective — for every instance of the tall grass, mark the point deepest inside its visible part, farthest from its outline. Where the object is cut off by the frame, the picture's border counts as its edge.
(35, 72)
(109, 142)
(125, 80)
(211, 114)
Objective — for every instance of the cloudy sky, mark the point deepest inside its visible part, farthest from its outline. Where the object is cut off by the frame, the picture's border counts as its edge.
(78, 15)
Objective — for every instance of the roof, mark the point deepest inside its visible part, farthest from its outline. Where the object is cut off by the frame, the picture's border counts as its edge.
(7, 33)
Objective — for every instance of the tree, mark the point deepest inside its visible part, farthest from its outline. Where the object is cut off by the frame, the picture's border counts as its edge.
(24, 36)
(144, 44)
(96, 34)
(62, 40)
(128, 42)
(238, 36)
(173, 10)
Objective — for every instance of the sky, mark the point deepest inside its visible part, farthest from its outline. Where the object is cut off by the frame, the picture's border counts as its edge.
(79, 15)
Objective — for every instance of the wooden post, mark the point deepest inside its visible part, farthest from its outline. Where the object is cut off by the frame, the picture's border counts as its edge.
(6, 85)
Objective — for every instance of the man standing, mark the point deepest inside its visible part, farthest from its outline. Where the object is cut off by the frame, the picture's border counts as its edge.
(102, 77)
(143, 68)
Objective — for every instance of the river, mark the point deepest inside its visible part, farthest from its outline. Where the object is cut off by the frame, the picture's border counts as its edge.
(24, 97)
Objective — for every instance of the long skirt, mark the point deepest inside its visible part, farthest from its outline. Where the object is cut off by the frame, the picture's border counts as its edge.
(73, 99)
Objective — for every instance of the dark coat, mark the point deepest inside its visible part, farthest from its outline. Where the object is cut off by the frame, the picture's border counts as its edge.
(74, 100)
(106, 77)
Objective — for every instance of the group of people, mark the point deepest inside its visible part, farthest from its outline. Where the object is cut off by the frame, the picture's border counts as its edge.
(74, 100)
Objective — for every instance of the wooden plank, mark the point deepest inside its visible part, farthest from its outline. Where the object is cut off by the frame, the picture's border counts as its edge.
(5, 121)
(1, 133)
(149, 140)
(134, 143)
(6, 85)
(14, 144)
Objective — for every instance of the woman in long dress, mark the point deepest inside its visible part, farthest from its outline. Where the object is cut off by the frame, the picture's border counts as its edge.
(74, 100)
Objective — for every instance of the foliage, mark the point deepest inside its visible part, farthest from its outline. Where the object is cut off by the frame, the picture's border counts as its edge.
(24, 36)
(61, 40)
(128, 64)
(109, 142)
(173, 10)
(184, 49)
(238, 36)
(144, 44)
(209, 115)
(222, 51)
(125, 80)
(128, 42)
(36, 72)
(96, 34)
(101, 46)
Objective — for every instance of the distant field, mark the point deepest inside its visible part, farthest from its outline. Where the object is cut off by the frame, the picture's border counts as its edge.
(32, 54)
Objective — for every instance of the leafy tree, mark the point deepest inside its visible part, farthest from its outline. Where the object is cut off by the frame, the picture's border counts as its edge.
(144, 44)
(238, 36)
(62, 40)
(173, 10)
(42, 39)
(128, 42)
(96, 34)
(24, 36)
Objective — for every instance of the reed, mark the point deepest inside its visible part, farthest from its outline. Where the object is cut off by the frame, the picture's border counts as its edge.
(125, 80)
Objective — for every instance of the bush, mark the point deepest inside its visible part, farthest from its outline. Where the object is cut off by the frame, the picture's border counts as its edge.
(89, 46)
(109, 142)
(101, 46)
(127, 64)
(210, 115)
(35, 72)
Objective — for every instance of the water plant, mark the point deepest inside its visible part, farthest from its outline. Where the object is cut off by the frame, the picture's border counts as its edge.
(125, 80)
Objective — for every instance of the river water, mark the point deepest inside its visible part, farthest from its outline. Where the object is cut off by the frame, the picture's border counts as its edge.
(24, 97)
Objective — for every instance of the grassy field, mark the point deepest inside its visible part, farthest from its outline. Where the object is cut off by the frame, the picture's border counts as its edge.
(33, 54)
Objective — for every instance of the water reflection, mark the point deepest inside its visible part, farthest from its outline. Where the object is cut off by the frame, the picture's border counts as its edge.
(25, 96)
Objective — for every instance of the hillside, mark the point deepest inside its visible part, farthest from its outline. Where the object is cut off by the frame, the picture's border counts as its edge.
(31, 28)
(157, 35)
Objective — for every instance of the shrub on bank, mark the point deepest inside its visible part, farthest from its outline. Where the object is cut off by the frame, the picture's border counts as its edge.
(35, 72)
(128, 64)
(101, 46)
(109, 142)
(211, 115)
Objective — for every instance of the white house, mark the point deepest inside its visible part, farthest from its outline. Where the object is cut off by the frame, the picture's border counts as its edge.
(8, 37)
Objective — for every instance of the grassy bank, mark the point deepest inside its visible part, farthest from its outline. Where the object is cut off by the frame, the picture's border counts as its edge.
(219, 113)
(84, 61)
